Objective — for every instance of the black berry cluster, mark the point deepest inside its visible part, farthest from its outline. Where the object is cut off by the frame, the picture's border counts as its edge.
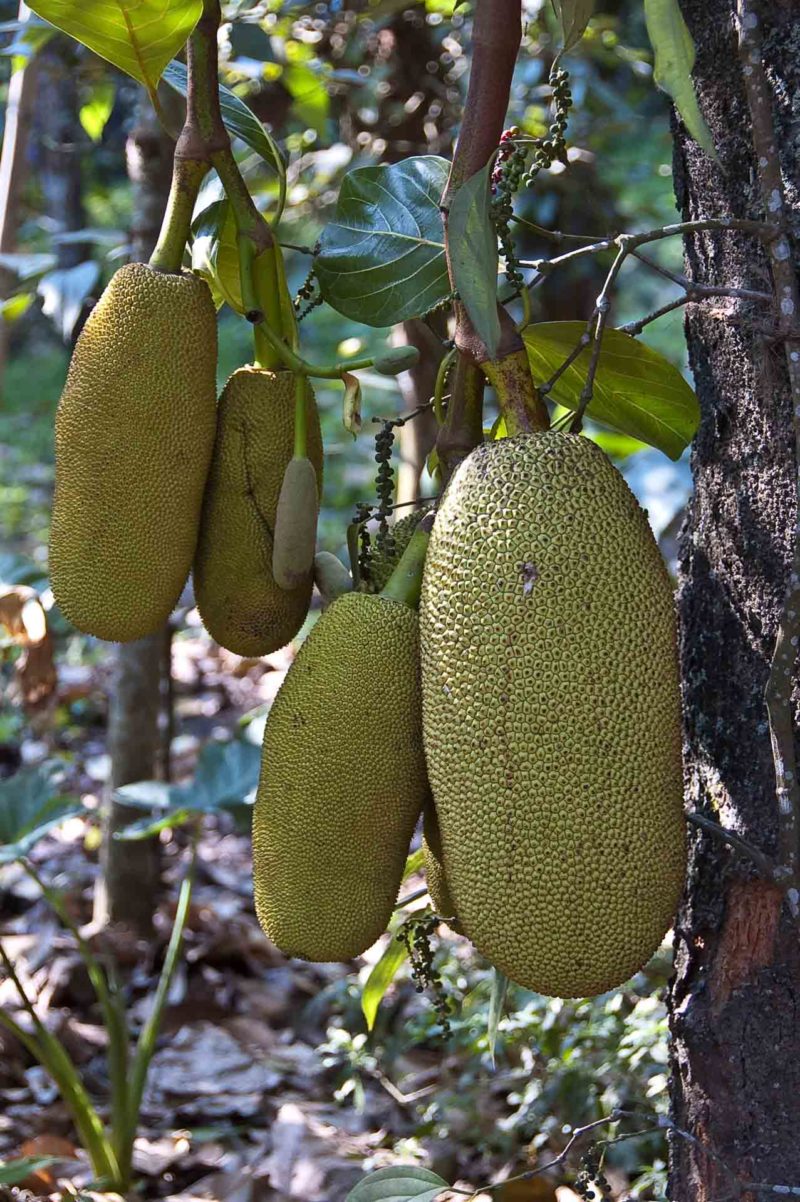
(554, 146)
(508, 173)
(384, 484)
(417, 934)
(308, 294)
(591, 1183)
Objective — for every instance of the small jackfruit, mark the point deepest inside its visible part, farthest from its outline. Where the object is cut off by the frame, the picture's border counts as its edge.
(295, 524)
(331, 577)
(331, 827)
(435, 877)
(134, 432)
(552, 714)
(240, 603)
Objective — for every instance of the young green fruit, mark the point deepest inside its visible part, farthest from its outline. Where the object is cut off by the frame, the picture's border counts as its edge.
(295, 525)
(240, 603)
(134, 432)
(331, 827)
(331, 577)
(396, 360)
(552, 714)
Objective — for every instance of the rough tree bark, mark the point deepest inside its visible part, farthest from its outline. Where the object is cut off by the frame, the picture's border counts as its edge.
(128, 888)
(734, 1001)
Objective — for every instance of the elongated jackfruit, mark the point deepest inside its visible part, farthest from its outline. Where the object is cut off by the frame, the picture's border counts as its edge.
(331, 826)
(552, 714)
(134, 432)
(240, 603)
(435, 877)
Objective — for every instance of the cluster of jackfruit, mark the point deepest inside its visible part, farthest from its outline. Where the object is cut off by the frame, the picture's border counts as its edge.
(154, 478)
(551, 783)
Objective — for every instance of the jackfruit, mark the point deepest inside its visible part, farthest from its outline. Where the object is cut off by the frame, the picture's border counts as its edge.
(383, 562)
(134, 433)
(240, 603)
(551, 714)
(435, 878)
(295, 524)
(331, 825)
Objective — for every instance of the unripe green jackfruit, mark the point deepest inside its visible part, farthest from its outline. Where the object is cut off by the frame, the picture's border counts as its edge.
(332, 825)
(134, 432)
(552, 714)
(435, 877)
(240, 603)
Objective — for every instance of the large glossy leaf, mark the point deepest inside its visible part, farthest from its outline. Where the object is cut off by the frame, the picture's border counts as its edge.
(382, 257)
(636, 390)
(573, 17)
(240, 122)
(473, 256)
(383, 973)
(138, 36)
(225, 778)
(31, 804)
(399, 1183)
(215, 255)
(674, 59)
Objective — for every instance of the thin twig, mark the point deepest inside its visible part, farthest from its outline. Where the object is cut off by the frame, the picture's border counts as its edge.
(694, 294)
(762, 862)
(778, 694)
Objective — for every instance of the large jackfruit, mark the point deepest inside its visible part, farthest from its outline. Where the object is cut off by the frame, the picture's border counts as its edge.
(332, 823)
(240, 603)
(134, 432)
(552, 714)
(433, 859)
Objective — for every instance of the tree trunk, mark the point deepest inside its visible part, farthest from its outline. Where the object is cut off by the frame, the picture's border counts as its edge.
(734, 1001)
(128, 890)
(60, 140)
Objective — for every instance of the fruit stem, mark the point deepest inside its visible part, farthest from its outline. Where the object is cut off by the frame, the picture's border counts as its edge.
(517, 395)
(405, 583)
(462, 429)
(300, 422)
(187, 176)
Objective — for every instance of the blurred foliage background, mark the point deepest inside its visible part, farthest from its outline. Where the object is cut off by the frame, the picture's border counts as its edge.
(341, 84)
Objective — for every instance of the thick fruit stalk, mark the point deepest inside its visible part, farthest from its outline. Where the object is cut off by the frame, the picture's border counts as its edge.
(134, 432)
(552, 714)
(240, 603)
(342, 776)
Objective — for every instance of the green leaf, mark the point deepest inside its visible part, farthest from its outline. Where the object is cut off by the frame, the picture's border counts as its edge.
(307, 88)
(240, 122)
(138, 36)
(636, 390)
(473, 256)
(573, 17)
(215, 254)
(30, 806)
(226, 777)
(497, 1003)
(396, 1183)
(12, 1172)
(674, 59)
(415, 862)
(382, 257)
(381, 977)
(95, 113)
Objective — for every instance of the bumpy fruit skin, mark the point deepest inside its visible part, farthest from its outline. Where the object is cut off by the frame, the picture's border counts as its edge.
(435, 879)
(552, 714)
(240, 603)
(331, 827)
(382, 564)
(134, 432)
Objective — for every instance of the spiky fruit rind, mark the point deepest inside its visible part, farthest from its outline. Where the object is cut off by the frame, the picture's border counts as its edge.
(331, 826)
(240, 603)
(134, 432)
(433, 857)
(382, 563)
(552, 714)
